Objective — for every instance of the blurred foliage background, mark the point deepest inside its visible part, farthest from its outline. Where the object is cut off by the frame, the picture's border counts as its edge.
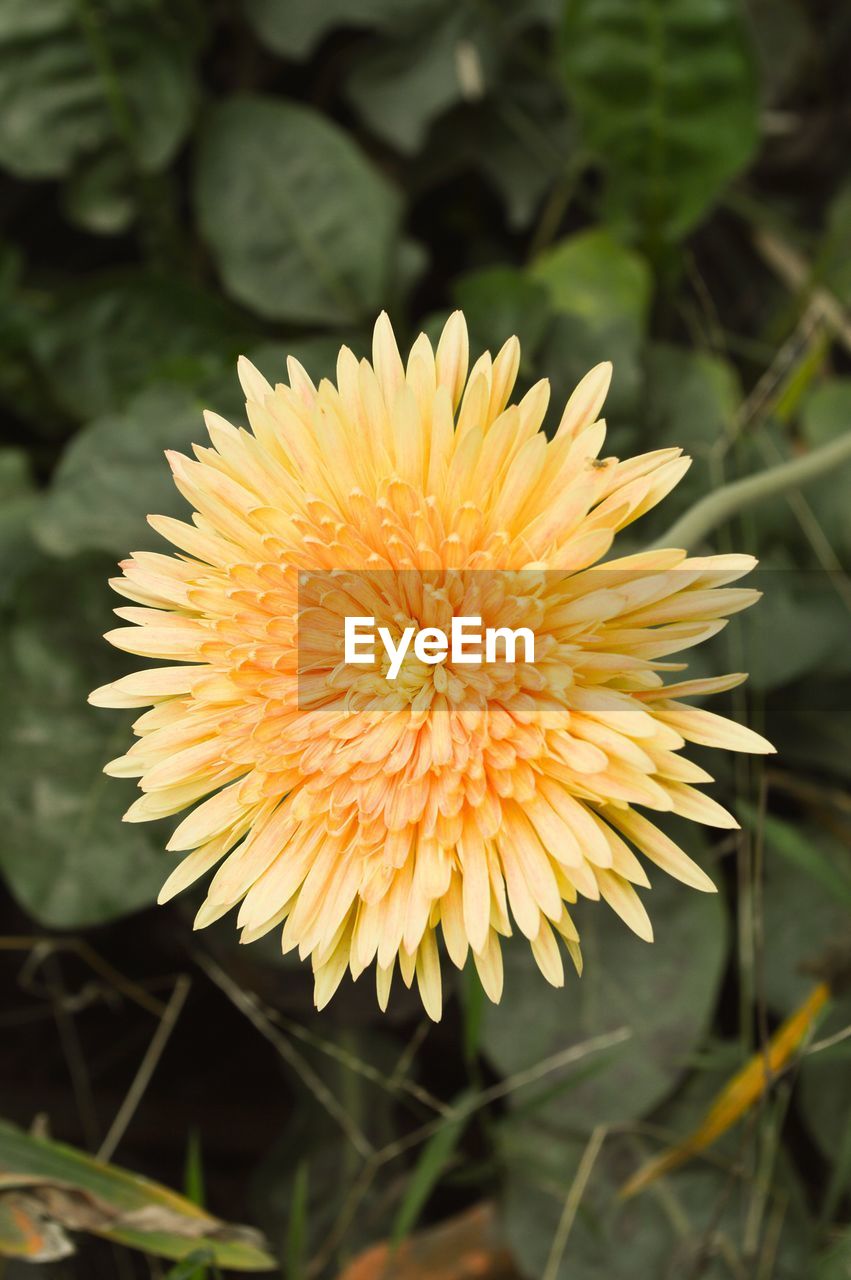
(665, 184)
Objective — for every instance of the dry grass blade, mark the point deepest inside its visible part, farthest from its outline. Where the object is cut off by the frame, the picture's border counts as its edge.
(147, 1068)
(573, 1201)
(738, 1095)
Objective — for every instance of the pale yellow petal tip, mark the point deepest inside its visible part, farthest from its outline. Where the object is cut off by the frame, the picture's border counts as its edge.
(601, 377)
(121, 767)
(208, 913)
(433, 1004)
(255, 387)
(383, 984)
(583, 407)
(757, 745)
(102, 696)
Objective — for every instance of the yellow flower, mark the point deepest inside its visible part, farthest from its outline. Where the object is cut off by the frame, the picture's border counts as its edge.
(365, 815)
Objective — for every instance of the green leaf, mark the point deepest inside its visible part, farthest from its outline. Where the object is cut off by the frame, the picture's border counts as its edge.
(802, 606)
(402, 85)
(99, 196)
(301, 225)
(75, 77)
(804, 903)
(805, 850)
(99, 346)
(667, 96)
(82, 1193)
(193, 1266)
(600, 292)
(825, 1103)
(18, 505)
(826, 415)
(65, 854)
(592, 275)
(294, 27)
(691, 400)
(520, 138)
(833, 263)
(665, 1001)
(835, 1264)
(23, 393)
(113, 475)
(500, 302)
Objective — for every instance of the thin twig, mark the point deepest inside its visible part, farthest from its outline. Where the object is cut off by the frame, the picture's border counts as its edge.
(573, 1201)
(393, 1084)
(410, 1050)
(147, 1067)
(818, 1046)
(46, 946)
(809, 792)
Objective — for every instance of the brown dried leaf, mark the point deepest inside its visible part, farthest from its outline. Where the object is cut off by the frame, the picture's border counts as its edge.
(466, 1247)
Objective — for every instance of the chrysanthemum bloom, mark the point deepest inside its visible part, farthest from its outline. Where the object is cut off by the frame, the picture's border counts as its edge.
(364, 816)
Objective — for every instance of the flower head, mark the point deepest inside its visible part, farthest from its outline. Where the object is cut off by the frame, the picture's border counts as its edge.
(363, 817)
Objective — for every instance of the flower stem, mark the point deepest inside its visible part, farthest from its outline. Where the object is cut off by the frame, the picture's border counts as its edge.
(712, 510)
